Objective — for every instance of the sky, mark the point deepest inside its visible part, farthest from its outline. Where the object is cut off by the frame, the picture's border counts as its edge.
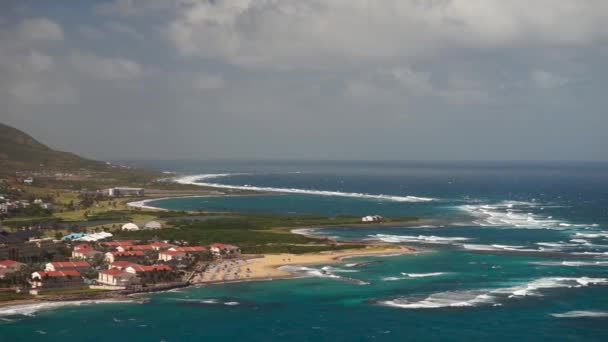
(309, 79)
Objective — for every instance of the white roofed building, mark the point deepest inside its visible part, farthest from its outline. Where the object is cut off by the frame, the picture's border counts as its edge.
(130, 227)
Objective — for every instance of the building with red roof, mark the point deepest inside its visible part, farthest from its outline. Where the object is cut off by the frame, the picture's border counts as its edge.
(116, 243)
(84, 251)
(135, 269)
(115, 277)
(75, 265)
(179, 253)
(120, 265)
(134, 256)
(64, 278)
(135, 248)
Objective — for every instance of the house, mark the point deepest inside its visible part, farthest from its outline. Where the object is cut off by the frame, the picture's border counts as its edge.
(171, 255)
(138, 269)
(84, 251)
(152, 225)
(144, 248)
(67, 265)
(28, 181)
(134, 256)
(115, 277)
(120, 265)
(65, 278)
(9, 266)
(130, 227)
(225, 251)
(159, 245)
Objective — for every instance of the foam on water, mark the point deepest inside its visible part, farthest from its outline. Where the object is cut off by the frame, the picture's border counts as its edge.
(513, 214)
(196, 180)
(420, 238)
(570, 263)
(581, 314)
(323, 272)
(483, 297)
(31, 309)
(414, 275)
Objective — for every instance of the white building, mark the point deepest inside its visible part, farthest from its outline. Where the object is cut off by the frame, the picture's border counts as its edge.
(115, 277)
(124, 192)
(130, 227)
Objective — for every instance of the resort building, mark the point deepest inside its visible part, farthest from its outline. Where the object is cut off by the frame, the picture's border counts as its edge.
(95, 237)
(120, 265)
(134, 256)
(159, 245)
(137, 269)
(220, 250)
(124, 192)
(73, 236)
(130, 227)
(115, 277)
(84, 251)
(67, 265)
(135, 248)
(65, 278)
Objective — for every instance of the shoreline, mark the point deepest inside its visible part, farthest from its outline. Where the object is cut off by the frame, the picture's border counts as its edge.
(263, 268)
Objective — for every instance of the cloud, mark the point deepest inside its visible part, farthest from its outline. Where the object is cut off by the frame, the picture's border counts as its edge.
(91, 32)
(337, 33)
(38, 30)
(204, 82)
(124, 30)
(106, 68)
(546, 80)
(138, 7)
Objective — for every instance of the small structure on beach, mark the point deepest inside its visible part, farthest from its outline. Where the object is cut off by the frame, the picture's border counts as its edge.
(153, 225)
(130, 227)
(372, 218)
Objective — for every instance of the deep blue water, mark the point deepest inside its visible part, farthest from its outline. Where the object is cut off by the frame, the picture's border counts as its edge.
(518, 252)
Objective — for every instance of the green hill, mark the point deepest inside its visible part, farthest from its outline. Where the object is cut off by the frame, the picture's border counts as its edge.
(19, 152)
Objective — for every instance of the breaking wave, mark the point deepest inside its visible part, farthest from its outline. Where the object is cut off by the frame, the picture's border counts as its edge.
(419, 239)
(414, 275)
(31, 309)
(581, 314)
(485, 297)
(323, 272)
(516, 214)
(196, 180)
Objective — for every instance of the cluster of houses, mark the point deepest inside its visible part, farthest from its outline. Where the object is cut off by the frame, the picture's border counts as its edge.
(10, 207)
(124, 264)
(372, 218)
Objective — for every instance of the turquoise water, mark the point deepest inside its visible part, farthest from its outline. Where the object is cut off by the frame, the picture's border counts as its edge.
(519, 253)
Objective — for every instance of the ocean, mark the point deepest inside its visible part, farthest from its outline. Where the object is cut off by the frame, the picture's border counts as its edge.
(516, 252)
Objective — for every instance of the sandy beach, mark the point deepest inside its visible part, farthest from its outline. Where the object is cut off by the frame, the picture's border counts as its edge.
(267, 267)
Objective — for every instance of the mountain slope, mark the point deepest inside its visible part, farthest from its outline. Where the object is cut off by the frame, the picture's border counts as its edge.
(21, 152)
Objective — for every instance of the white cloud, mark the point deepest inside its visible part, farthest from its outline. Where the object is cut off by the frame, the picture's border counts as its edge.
(124, 30)
(546, 80)
(321, 33)
(138, 7)
(38, 30)
(204, 82)
(91, 32)
(106, 68)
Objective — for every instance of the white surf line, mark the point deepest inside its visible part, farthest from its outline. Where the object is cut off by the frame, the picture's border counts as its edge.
(195, 180)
